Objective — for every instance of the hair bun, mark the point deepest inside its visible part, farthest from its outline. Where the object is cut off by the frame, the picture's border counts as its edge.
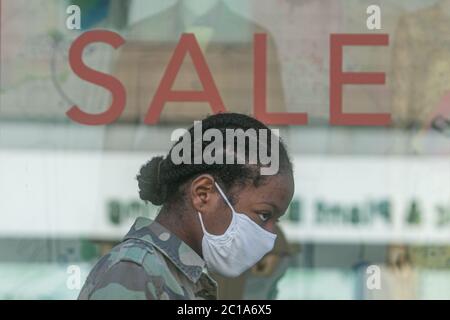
(151, 188)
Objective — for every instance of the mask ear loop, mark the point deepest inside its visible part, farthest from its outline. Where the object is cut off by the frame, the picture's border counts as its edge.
(200, 215)
(201, 222)
(227, 202)
(224, 197)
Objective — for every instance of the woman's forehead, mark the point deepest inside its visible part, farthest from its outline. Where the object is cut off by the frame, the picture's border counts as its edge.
(278, 188)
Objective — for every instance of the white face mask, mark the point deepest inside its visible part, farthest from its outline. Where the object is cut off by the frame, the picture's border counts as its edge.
(242, 245)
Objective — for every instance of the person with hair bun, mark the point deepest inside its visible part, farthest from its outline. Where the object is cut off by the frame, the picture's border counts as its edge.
(214, 218)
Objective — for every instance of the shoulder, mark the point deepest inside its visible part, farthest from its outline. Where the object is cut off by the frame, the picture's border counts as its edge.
(134, 269)
(120, 273)
(132, 250)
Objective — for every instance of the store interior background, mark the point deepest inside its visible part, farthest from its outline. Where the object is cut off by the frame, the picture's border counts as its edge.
(364, 195)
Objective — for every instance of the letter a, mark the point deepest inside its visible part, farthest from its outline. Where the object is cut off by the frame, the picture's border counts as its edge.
(187, 44)
(73, 22)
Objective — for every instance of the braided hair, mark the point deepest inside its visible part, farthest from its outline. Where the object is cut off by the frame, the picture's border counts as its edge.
(159, 180)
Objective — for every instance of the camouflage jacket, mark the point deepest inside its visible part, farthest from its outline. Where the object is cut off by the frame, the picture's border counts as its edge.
(150, 263)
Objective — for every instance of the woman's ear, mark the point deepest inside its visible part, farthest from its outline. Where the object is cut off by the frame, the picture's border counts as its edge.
(216, 215)
(203, 193)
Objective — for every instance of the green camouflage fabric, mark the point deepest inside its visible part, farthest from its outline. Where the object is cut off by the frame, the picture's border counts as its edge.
(150, 263)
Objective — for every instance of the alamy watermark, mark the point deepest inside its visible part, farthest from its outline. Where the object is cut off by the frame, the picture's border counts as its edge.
(190, 149)
(73, 281)
(373, 280)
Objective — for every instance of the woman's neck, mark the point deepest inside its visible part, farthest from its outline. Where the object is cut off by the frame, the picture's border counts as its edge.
(182, 226)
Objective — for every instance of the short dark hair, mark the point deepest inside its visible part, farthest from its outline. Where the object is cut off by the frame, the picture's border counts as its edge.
(160, 179)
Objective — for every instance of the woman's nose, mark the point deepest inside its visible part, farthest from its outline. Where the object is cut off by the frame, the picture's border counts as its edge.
(270, 226)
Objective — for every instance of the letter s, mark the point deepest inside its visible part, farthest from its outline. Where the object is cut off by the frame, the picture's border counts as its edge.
(101, 79)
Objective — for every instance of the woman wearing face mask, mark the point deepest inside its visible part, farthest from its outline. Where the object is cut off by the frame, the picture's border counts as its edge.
(214, 218)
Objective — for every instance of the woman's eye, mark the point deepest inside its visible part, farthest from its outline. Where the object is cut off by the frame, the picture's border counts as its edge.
(264, 216)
